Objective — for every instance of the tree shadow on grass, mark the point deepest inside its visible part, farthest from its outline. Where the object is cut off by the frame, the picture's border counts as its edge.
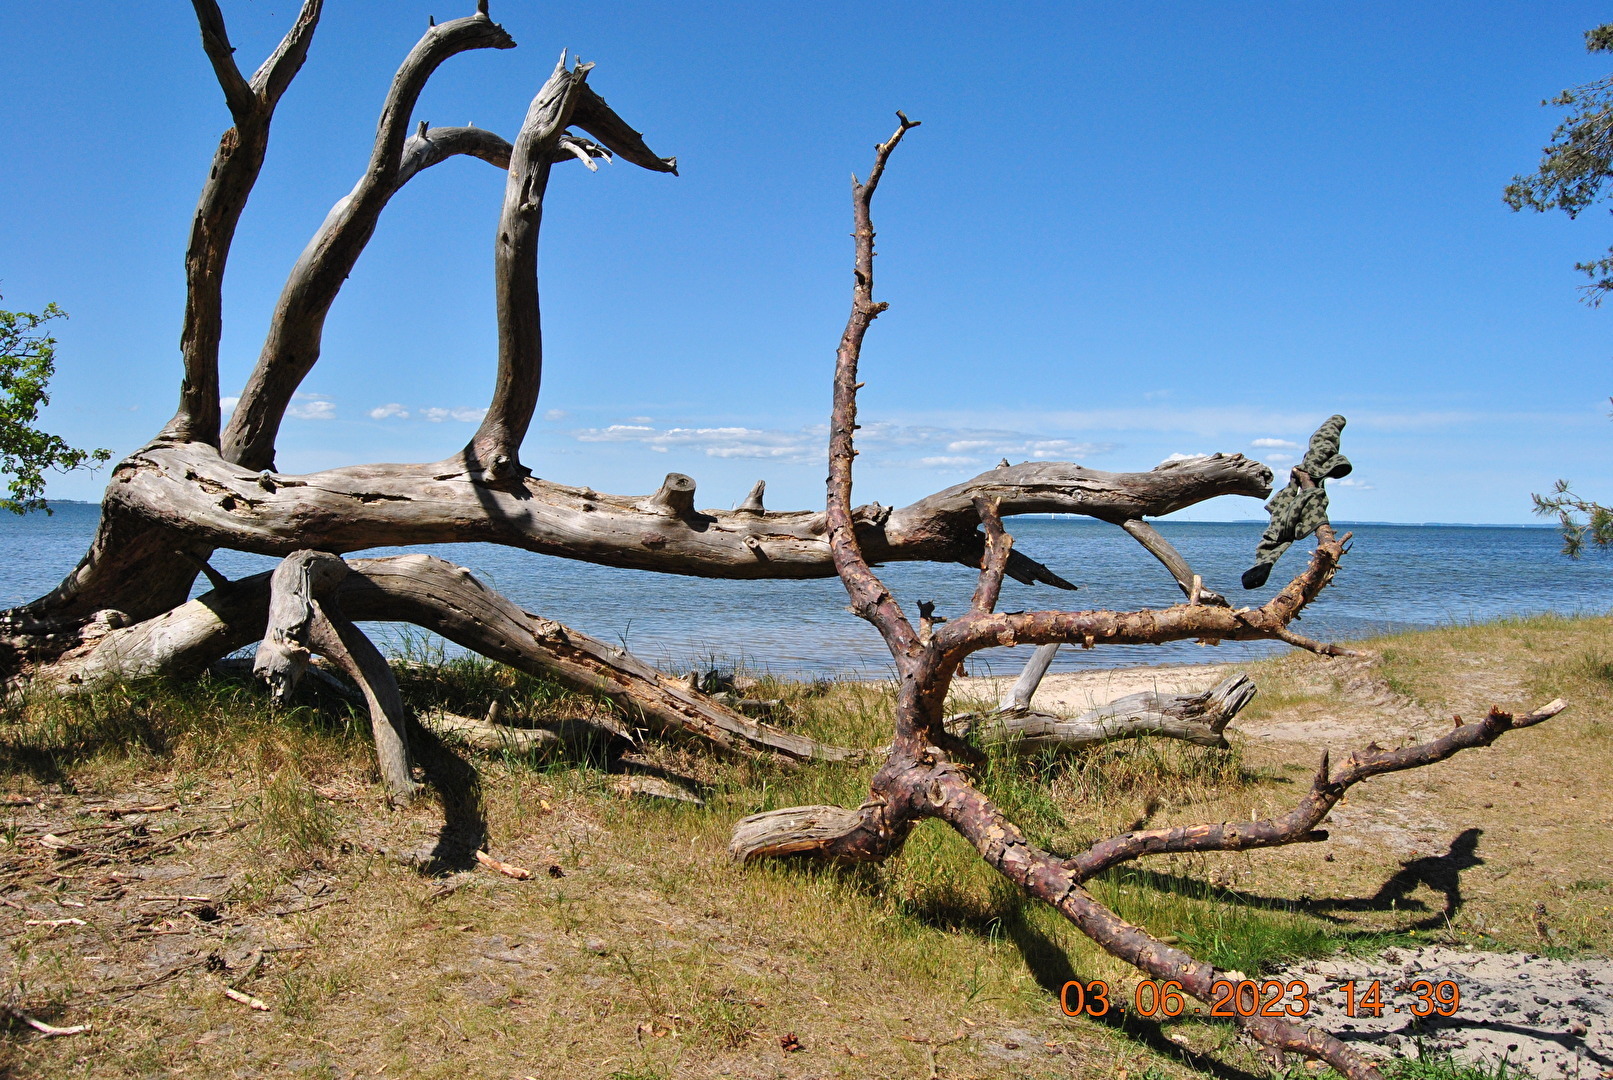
(1050, 966)
(1441, 873)
(459, 787)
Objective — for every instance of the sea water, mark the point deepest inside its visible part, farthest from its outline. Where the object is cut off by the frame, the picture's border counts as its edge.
(1394, 577)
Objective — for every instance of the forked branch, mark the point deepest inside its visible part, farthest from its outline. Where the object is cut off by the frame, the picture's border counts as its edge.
(920, 777)
(236, 165)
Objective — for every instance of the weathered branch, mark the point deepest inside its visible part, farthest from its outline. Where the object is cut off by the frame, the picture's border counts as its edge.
(494, 449)
(1162, 549)
(1200, 719)
(869, 597)
(594, 116)
(297, 325)
(450, 601)
(236, 165)
(303, 617)
(189, 491)
(1299, 825)
(1018, 698)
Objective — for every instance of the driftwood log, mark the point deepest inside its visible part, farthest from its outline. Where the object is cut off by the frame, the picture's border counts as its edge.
(1200, 719)
(202, 484)
(926, 773)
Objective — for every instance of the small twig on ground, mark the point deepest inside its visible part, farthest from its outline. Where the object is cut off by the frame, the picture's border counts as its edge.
(246, 999)
(520, 873)
(46, 1029)
(251, 970)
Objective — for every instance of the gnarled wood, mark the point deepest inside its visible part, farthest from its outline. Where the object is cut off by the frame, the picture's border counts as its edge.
(1200, 719)
(919, 779)
(298, 322)
(450, 601)
(303, 617)
(494, 449)
(190, 491)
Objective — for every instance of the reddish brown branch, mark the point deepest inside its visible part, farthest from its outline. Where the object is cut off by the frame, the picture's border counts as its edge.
(1299, 824)
(977, 631)
(995, 561)
(869, 597)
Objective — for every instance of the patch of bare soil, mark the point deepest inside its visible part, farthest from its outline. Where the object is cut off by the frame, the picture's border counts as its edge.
(1552, 1018)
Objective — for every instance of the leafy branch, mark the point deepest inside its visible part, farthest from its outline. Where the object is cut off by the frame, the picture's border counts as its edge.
(1577, 162)
(27, 361)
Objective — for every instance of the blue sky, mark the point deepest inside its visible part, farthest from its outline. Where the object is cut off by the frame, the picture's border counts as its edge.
(1123, 232)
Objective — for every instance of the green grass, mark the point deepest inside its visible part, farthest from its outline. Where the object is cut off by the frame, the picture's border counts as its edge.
(1426, 1066)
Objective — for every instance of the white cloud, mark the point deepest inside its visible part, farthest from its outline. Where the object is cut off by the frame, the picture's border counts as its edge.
(226, 405)
(1179, 456)
(556, 414)
(886, 444)
(1350, 482)
(638, 420)
(311, 407)
(391, 408)
(1275, 444)
(463, 415)
(1279, 459)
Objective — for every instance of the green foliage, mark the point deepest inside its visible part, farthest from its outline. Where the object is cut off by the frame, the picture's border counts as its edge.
(1580, 519)
(27, 361)
(1427, 1065)
(1577, 162)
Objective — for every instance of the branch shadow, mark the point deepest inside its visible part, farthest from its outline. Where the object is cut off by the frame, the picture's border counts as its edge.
(459, 786)
(1050, 966)
(1440, 873)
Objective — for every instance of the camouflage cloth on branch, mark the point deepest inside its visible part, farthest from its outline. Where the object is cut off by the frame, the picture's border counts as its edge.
(1296, 511)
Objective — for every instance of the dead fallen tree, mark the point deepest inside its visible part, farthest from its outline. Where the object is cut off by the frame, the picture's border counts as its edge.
(429, 593)
(926, 774)
(202, 484)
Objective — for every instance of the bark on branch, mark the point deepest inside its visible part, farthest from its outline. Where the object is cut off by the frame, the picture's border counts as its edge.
(1299, 825)
(1200, 719)
(919, 778)
(236, 165)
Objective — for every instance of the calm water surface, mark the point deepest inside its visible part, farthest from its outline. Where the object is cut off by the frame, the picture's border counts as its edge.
(1395, 577)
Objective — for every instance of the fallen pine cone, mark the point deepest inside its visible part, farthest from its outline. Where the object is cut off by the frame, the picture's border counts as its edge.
(790, 1044)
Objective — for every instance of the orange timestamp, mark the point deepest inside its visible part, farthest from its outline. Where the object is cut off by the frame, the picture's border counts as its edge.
(1247, 997)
